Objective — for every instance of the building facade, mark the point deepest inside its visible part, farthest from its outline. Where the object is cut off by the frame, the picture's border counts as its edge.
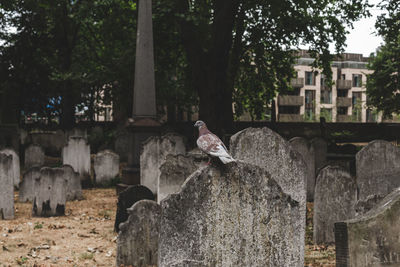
(343, 100)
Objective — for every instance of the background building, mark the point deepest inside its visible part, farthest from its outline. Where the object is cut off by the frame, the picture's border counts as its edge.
(343, 101)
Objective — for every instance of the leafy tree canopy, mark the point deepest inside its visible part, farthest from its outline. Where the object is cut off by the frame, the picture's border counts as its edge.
(383, 85)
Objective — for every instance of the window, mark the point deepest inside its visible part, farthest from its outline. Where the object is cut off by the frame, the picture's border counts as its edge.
(342, 110)
(326, 113)
(326, 96)
(310, 78)
(357, 80)
(357, 106)
(309, 113)
(343, 76)
(342, 93)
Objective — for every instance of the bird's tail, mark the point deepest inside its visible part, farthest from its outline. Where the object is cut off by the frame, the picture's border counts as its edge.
(226, 160)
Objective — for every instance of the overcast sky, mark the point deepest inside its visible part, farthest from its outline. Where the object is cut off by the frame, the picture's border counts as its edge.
(362, 39)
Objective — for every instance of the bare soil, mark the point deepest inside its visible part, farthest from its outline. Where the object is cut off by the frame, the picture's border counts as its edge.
(85, 236)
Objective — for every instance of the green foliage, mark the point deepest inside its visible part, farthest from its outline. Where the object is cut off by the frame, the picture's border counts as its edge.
(38, 226)
(383, 84)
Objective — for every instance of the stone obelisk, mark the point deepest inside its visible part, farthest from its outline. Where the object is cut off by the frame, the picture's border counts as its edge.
(144, 114)
(144, 93)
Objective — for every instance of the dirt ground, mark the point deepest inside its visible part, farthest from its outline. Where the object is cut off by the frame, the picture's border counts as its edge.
(85, 236)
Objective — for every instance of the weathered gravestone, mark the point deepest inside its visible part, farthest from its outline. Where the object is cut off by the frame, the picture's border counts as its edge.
(233, 215)
(6, 188)
(137, 243)
(34, 156)
(174, 171)
(378, 169)
(127, 198)
(77, 154)
(154, 151)
(106, 166)
(74, 187)
(335, 197)
(77, 132)
(26, 187)
(371, 239)
(320, 151)
(15, 169)
(265, 148)
(306, 150)
(50, 193)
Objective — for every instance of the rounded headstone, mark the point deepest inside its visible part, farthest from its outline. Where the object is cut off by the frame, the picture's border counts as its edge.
(335, 197)
(378, 169)
(34, 156)
(127, 198)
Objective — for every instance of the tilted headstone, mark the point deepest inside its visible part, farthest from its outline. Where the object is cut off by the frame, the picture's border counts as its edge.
(174, 171)
(26, 187)
(306, 150)
(127, 198)
(154, 151)
(267, 149)
(34, 156)
(77, 154)
(15, 171)
(106, 166)
(371, 239)
(6, 188)
(320, 151)
(335, 197)
(74, 187)
(50, 193)
(233, 215)
(378, 169)
(137, 243)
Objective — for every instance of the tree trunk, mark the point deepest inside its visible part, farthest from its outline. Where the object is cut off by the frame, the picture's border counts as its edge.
(210, 65)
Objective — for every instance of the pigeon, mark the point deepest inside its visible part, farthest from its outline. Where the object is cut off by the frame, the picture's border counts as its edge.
(210, 144)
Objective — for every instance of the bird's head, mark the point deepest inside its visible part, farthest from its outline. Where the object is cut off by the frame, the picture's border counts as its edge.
(199, 124)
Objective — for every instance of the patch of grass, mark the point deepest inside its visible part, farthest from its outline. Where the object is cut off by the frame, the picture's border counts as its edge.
(22, 260)
(86, 256)
(38, 226)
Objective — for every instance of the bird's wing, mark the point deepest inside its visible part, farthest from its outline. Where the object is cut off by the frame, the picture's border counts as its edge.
(212, 145)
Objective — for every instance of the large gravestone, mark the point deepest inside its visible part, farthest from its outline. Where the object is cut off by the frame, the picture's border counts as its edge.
(137, 243)
(232, 215)
(106, 166)
(265, 148)
(74, 187)
(77, 154)
(127, 198)
(335, 197)
(34, 156)
(6, 188)
(378, 169)
(50, 193)
(372, 239)
(174, 171)
(306, 150)
(15, 171)
(26, 187)
(320, 151)
(154, 151)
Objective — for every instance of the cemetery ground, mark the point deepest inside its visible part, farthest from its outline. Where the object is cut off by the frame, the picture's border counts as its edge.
(85, 236)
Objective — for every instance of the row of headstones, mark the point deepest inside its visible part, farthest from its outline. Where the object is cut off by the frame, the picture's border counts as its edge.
(248, 213)
(361, 214)
(335, 201)
(339, 196)
(49, 188)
